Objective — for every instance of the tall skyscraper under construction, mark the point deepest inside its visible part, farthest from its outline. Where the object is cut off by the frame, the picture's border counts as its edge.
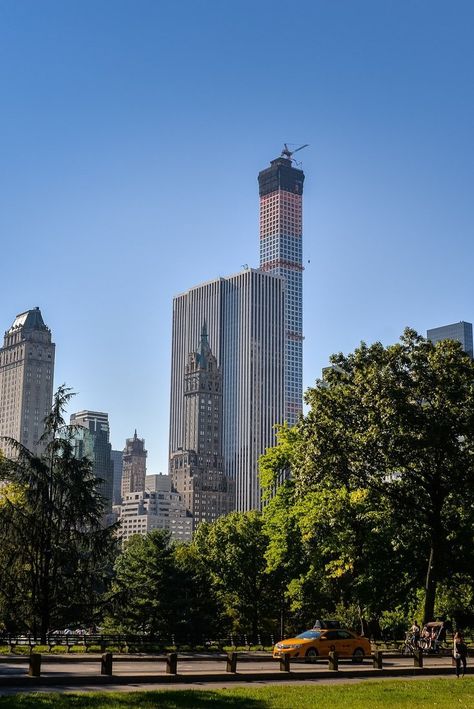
(255, 325)
(281, 254)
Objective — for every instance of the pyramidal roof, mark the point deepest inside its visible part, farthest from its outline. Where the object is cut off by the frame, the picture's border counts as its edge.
(29, 320)
(204, 349)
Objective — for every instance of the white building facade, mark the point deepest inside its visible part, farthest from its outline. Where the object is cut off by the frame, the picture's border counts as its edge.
(156, 507)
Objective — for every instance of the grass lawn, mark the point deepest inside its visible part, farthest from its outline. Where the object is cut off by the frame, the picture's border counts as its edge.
(364, 695)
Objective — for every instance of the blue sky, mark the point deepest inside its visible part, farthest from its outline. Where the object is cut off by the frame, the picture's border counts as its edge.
(131, 136)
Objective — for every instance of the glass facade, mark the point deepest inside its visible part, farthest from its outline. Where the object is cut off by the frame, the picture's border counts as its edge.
(460, 331)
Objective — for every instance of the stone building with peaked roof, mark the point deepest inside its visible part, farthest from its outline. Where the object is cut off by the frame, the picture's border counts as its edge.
(26, 381)
(197, 470)
(133, 465)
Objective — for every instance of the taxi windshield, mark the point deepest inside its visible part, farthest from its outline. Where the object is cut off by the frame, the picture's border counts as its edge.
(310, 634)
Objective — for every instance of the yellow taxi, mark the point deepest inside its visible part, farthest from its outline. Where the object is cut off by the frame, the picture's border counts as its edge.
(319, 642)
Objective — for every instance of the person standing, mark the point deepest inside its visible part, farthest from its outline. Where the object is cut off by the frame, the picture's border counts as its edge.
(459, 653)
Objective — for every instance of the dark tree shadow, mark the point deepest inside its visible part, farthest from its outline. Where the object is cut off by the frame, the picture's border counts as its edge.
(166, 699)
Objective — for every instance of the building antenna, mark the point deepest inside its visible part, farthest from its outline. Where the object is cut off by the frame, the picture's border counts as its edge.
(288, 154)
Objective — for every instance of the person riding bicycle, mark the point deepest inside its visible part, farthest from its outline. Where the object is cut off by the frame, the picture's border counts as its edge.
(415, 631)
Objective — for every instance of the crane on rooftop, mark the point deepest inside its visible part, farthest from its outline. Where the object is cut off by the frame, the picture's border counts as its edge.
(288, 154)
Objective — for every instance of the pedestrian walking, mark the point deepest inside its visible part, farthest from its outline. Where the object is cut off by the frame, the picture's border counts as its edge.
(459, 653)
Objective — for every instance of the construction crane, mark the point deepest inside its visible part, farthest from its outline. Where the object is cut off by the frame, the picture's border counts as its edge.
(288, 154)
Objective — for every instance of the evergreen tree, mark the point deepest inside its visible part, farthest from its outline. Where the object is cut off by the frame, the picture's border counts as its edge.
(55, 552)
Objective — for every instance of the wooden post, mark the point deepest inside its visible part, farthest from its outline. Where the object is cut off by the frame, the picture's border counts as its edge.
(106, 664)
(34, 669)
(285, 663)
(418, 657)
(231, 662)
(333, 661)
(377, 659)
(172, 664)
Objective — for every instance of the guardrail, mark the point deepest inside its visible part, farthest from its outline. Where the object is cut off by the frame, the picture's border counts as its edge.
(232, 661)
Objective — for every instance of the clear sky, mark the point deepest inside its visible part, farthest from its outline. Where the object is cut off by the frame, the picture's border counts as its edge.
(132, 132)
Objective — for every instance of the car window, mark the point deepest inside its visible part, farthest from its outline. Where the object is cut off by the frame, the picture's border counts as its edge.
(331, 635)
(310, 634)
(343, 635)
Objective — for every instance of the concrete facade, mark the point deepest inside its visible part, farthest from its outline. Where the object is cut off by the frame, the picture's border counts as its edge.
(156, 507)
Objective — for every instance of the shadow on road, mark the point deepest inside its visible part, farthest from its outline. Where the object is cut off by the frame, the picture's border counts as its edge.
(181, 699)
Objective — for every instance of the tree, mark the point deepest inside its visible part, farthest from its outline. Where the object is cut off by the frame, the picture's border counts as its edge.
(397, 423)
(201, 615)
(54, 549)
(147, 589)
(331, 548)
(234, 548)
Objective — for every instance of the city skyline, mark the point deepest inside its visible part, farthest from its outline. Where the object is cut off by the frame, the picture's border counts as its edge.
(130, 173)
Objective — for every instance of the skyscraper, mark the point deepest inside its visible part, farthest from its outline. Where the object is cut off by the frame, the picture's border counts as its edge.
(133, 465)
(197, 471)
(91, 440)
(281, 254)
(460, 331)
(117, 460)
(245, 319)
(26, 381)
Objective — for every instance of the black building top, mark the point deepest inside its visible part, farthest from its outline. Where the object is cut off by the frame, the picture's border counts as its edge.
(281, 175)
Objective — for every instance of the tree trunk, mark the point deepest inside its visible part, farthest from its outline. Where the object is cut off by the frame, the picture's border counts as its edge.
(431, 582)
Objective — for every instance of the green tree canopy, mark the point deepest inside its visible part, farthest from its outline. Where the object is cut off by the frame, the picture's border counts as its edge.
(392, 428)
(234, 549)
(55, 552)
(146, 591)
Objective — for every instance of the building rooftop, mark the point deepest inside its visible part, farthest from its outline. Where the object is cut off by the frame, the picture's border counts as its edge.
(29, 320)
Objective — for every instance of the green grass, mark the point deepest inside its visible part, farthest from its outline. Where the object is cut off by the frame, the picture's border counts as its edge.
(363, 695)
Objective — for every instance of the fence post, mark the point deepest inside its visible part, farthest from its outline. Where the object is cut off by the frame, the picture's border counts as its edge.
(231, 662)
(378, 659)
(172, 664)
(106, 664)
(285, 663)
(333, 661)
(418, 657)
(34, 669)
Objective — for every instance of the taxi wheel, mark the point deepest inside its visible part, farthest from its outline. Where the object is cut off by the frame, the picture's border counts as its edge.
(358, 655)
(311, 655)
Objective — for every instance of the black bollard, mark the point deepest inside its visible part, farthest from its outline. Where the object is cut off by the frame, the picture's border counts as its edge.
(418, 657)
(106, 664)
(377, 660)
(172, 664)
(231, 662)
(34, 669)
(333, 661)
(285, 663)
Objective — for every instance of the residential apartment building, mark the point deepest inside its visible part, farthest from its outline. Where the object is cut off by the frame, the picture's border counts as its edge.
(158, 506)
